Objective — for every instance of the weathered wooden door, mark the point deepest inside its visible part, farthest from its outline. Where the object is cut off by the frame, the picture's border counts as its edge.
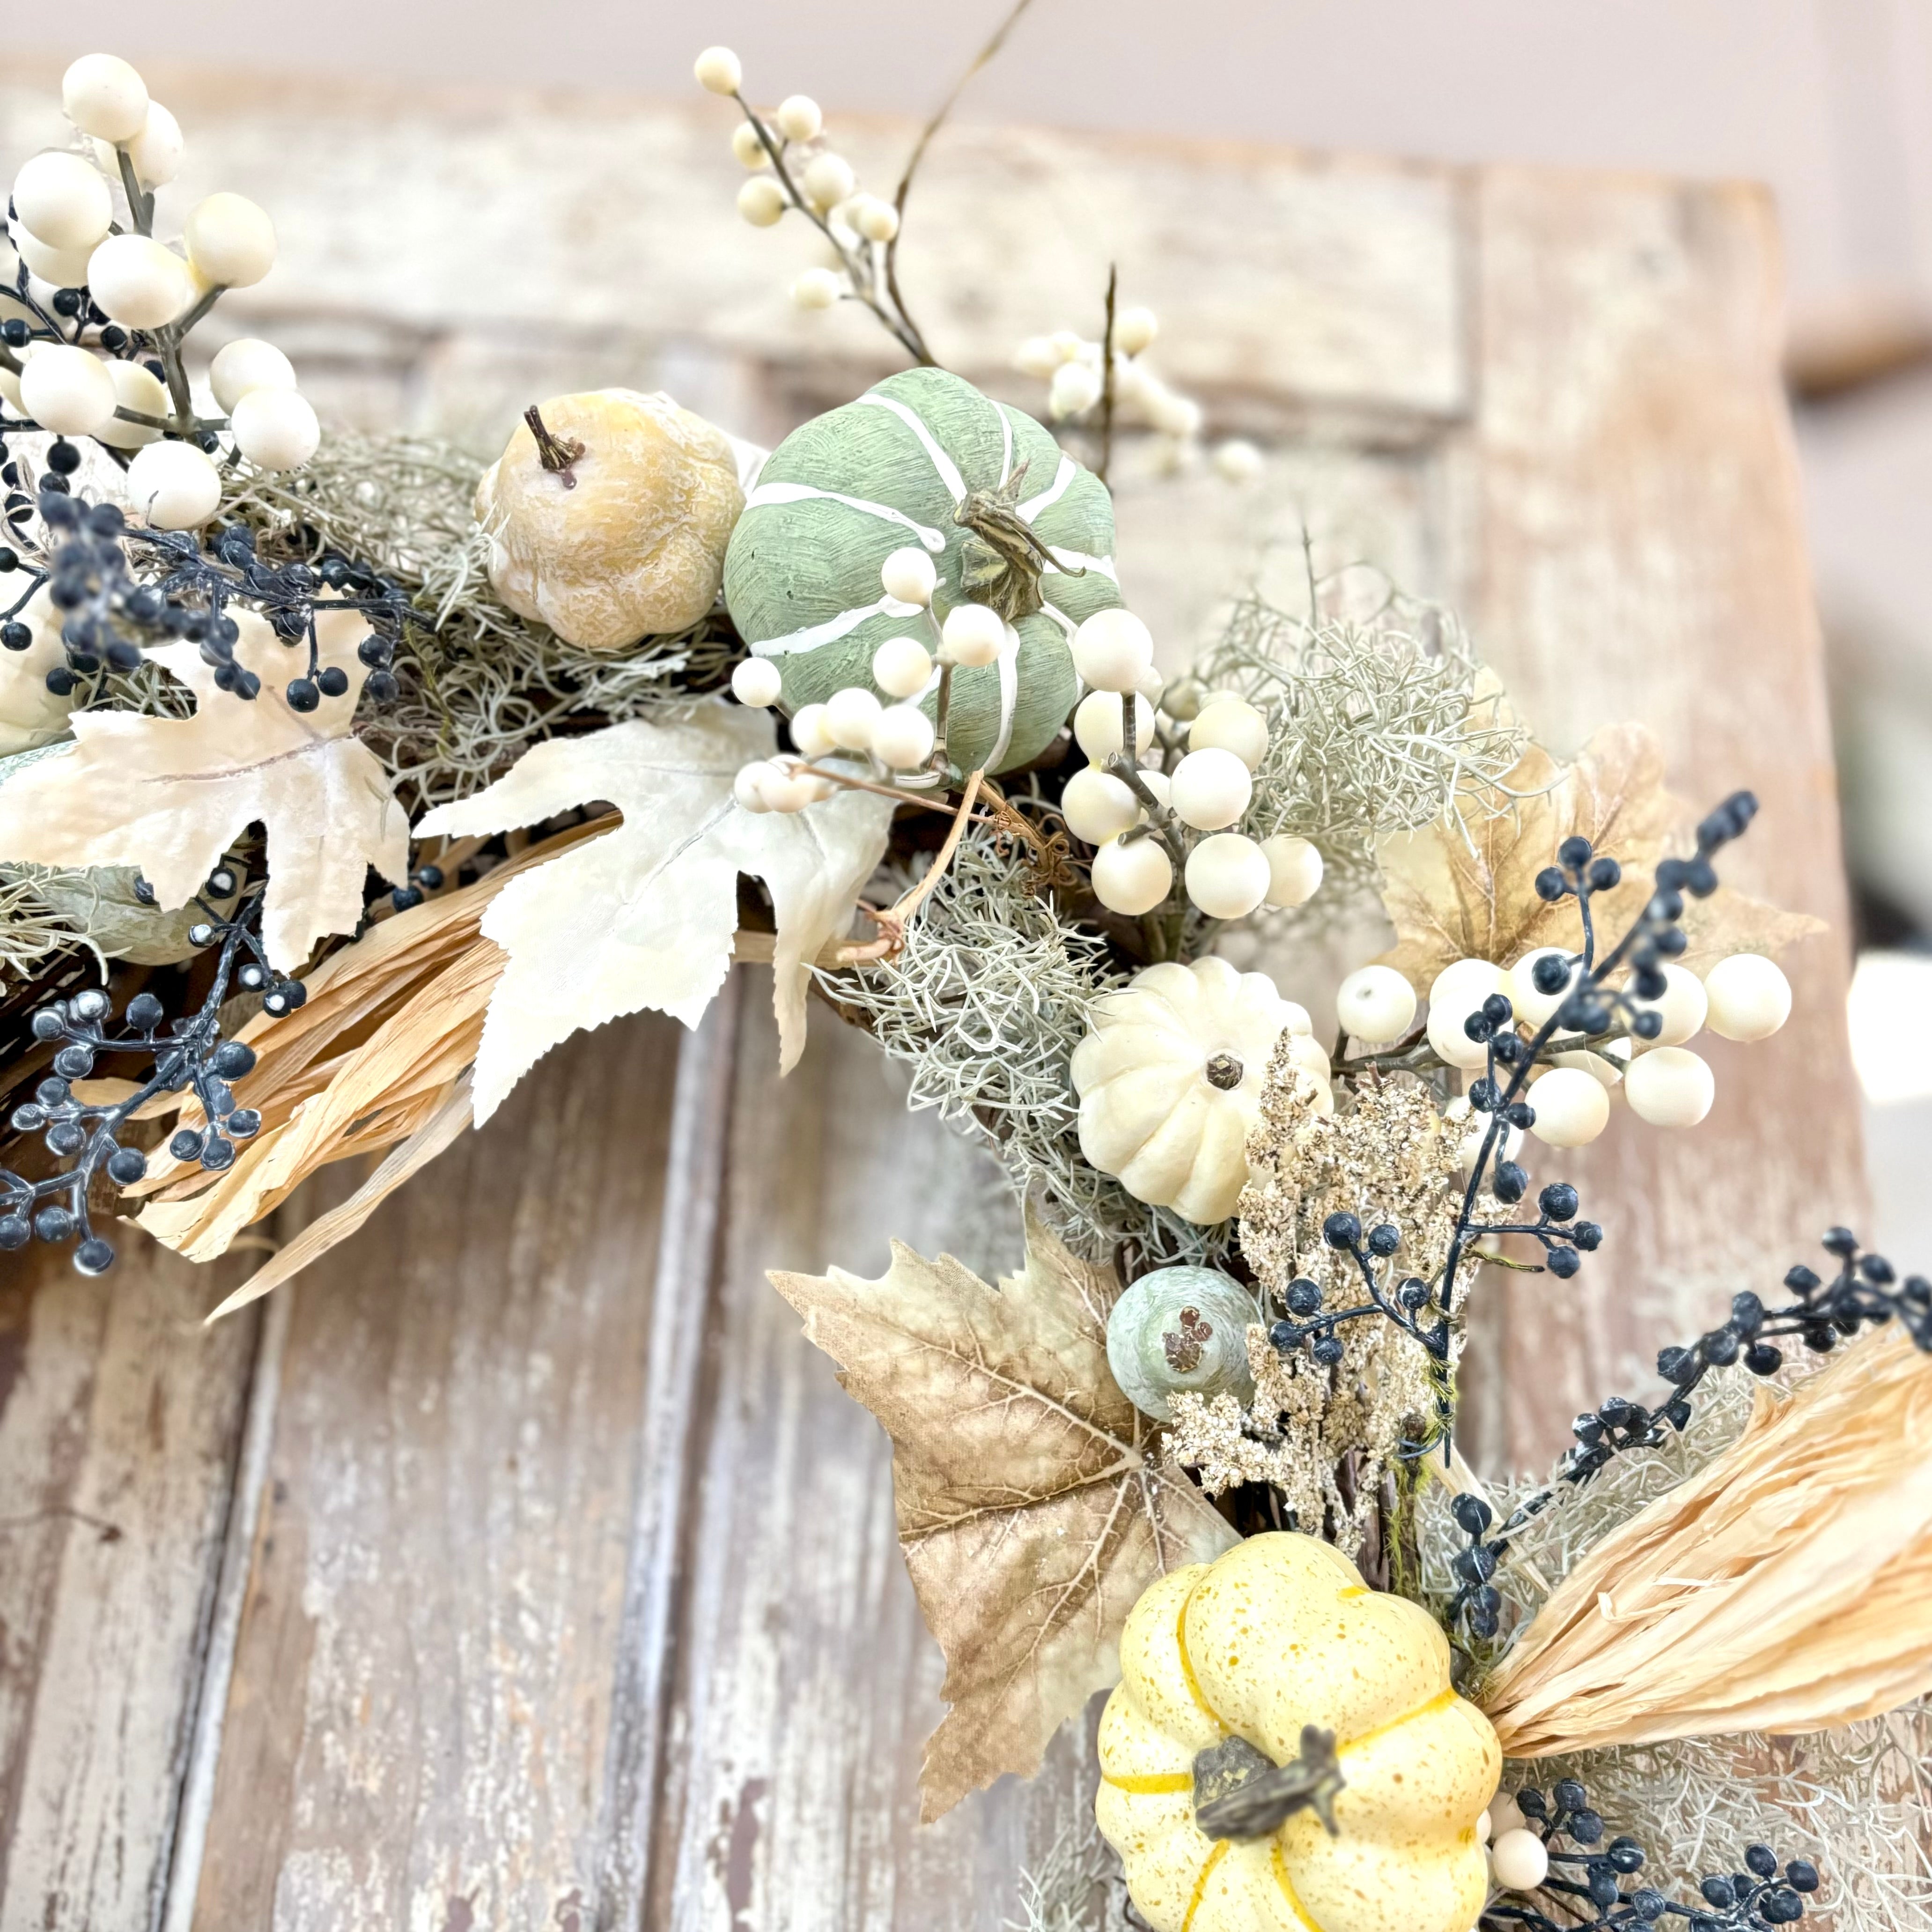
(520, 1566)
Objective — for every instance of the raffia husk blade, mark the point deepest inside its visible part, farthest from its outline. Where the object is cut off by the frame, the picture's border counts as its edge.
(1786, 1588)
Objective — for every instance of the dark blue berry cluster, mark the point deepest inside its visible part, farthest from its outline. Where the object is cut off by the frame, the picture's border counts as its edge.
(1590, 1884)
(174, 588)
(188, 1054)
(1592, 1007)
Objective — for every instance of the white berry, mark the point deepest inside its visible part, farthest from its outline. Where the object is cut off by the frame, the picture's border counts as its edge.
(1606, 1065)
(1238, 460)
(135, 387)
(1455, 992)
(750, 151)
(1227, 875)
(1232, 724)
(1681, 1008)
(901, 668)
(138, 283)
(1131, 877)
(1749, 996)
(1534, 1007)
(1178, 416)
(829, 179)
(1670, 1086)
(1375, 1004)
(757, 681)
(810, 732)
(909, 575)
(1097, 722)
(1519, 1861)
(66, 390)
(749, 786)
(1504, 1815)
(878, 220)
(1135, 330)
(1211, 789)
(1037, 357)
(245, 364)
(817, 288)
(1478, 1127)
(1294, 869)
(902, 738)
(173, 486)
(1571, 1107)
(1074, 388)
(798, 118)
(102, 95)
(58, 267)
(63, 200)
(850, 715)
(275, 429)
(1113, 650)
(156, 151)
(761, 201)
(719, 70)
(974, 634)
(230, 241)
(1097, 806)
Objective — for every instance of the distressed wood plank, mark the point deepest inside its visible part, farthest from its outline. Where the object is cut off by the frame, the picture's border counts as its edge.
(1283, 277)
(416, 1726)
(120, 1417)
(806, 1683)
(1635, 548)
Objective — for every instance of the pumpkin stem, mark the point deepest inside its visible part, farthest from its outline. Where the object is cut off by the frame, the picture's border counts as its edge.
(555, 453)
(1240, 1793)
(1224, 1072)
(1005, 560)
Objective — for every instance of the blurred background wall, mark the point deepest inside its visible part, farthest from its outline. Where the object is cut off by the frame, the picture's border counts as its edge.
(1829, 101)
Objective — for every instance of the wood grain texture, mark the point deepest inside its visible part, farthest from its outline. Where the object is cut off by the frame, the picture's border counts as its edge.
(1634, 547)
(119, 1421)
(416, 1725)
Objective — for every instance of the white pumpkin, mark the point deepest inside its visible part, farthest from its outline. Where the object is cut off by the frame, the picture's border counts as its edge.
(1170, 1082)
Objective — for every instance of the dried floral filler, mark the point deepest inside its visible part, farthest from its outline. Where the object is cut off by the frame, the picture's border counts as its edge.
(339, 780)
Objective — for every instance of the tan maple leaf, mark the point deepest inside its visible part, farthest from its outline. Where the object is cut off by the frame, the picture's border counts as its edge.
(170, 795)
(1033, 1508)
(1465, 888)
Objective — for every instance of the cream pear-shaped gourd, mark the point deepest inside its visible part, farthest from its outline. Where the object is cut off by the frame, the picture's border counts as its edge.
(1279, 1634)
(608, 516)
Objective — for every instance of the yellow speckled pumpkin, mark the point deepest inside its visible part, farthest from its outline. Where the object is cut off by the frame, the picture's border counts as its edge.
(1280, 1632)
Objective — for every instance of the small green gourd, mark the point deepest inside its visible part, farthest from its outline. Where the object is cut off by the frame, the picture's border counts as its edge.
(1180, 1330)
(1008, 519)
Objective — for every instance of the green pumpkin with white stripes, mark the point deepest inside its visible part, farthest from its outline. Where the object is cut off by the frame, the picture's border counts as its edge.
(1008, 519)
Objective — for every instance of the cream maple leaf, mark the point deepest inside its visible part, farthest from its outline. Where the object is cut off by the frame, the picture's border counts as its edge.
(169, 795)
(644, 916)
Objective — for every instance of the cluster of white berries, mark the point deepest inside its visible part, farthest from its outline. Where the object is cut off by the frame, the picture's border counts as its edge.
(794, 168)
(1743, 998)
(1074, 370)
(66, 371)
(1141, 818)
(898, 739)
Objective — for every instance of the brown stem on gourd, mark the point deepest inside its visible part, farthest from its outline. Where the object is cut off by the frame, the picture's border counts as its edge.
(1004, 562)
(555, 453)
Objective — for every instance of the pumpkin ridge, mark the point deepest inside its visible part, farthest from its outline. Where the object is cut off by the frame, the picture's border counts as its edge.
(1440, 1701)
(1278, 1865)
(1150, 1783)
(1214, 1858)
(1193, 1683)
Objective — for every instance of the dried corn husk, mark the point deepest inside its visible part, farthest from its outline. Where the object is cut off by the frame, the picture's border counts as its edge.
(1786, 1588)
(379, 1053)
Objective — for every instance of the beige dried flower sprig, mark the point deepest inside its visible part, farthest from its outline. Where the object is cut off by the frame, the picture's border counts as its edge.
(1323, 1434)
